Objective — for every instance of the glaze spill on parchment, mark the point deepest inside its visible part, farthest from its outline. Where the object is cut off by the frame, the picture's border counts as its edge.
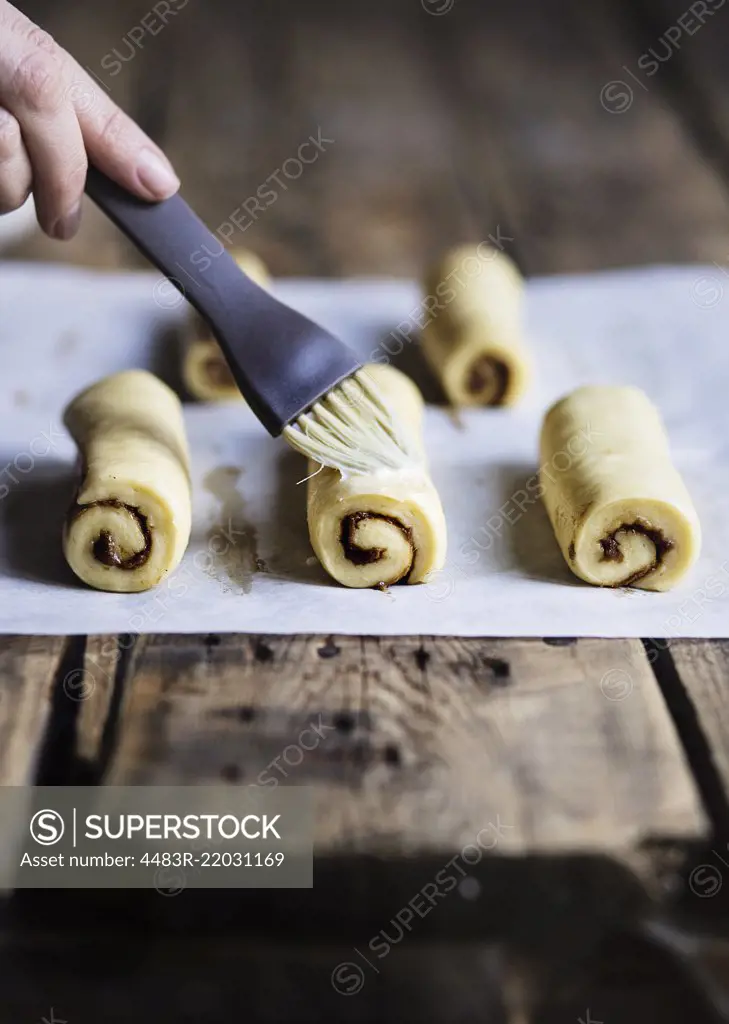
(232, 542)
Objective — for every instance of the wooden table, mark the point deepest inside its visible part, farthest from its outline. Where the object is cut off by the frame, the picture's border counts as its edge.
(602, 765)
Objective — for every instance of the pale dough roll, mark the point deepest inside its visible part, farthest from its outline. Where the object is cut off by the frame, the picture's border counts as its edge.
(205, 372)
(380, 528)
(620, 511)
(473, 335)
(130, 523)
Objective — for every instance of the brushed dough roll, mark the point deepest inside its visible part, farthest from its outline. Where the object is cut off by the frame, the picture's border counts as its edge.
(381, 528)
(473, 339)
(130, 523)
(205, 372)
(619, 508)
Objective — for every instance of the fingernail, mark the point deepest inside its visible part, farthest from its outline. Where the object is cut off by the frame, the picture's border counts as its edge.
(66, 227)
(155, 175)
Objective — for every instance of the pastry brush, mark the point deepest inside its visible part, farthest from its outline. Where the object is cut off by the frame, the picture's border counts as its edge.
(299, 380)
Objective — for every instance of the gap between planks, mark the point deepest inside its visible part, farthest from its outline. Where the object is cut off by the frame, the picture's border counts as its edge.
(31, 669)
(693, 675)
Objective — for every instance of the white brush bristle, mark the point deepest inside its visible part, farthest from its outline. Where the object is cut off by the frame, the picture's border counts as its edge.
(353, 430)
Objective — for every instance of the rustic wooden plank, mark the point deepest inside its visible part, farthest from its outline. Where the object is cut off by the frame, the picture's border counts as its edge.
(381, 197)
(680, 192)
(681, 52)
(389, 195)
(583, 188)
(98, 691)
(231, 149)
(405, 732)
(29, 668)
(694, 675)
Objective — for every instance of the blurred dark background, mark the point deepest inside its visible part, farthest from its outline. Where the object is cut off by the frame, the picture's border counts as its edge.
(592, 134)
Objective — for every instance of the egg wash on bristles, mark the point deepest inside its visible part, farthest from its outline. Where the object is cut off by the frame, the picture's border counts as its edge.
(354, 430)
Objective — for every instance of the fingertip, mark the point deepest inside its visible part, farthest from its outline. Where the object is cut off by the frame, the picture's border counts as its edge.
(67, 226)
(155, 176)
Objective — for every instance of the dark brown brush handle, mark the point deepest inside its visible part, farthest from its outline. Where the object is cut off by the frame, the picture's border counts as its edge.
(281, 361)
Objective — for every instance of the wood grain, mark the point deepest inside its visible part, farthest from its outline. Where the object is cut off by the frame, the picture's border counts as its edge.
(418, 745)
(582, 187)
(389, 195)
(682, 54)
(233, 142)
(29, 667)
(104, 661)
(696, 673)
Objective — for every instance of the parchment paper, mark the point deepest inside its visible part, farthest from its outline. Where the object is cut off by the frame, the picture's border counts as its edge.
(249, 566)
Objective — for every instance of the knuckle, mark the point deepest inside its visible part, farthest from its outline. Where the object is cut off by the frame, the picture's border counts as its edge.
(38, 82)
(10, 137)
(113, 127)
(81, 96)
(42, 39)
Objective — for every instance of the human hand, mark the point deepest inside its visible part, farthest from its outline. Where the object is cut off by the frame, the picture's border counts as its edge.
(48, 126)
